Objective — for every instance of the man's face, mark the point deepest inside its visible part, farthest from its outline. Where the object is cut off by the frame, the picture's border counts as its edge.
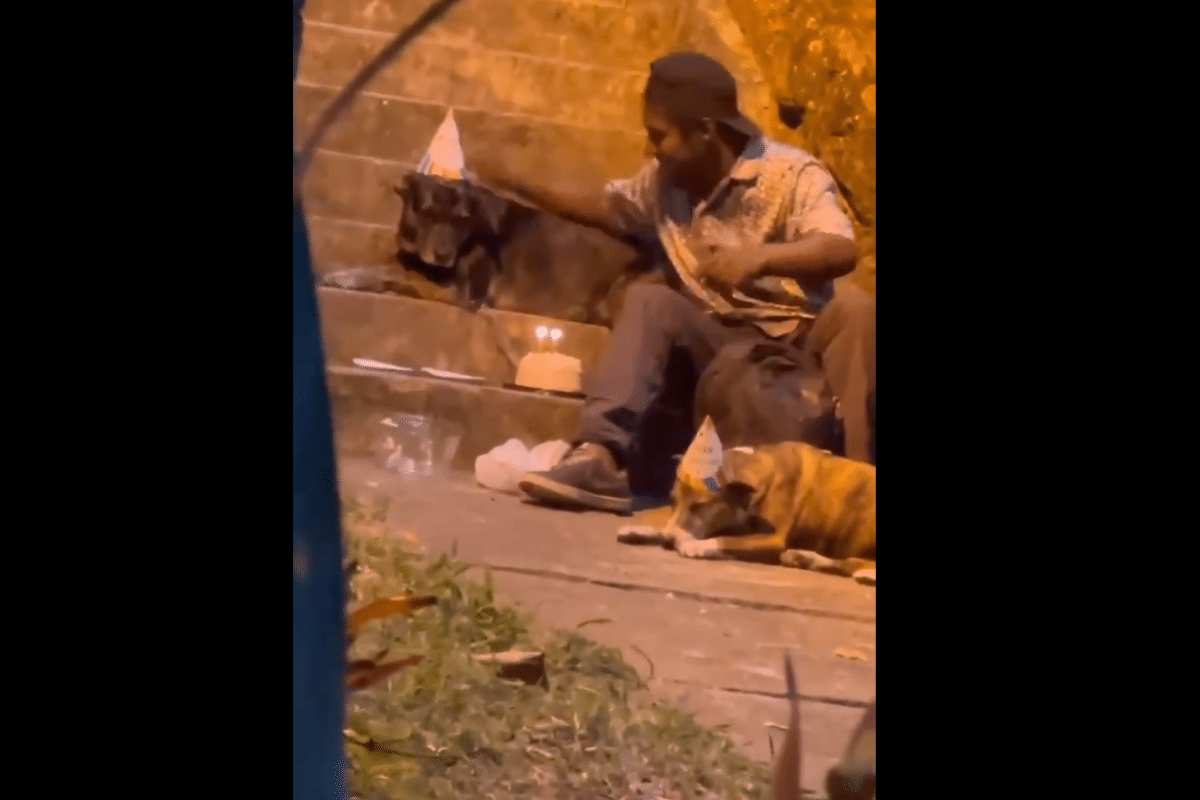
(681, 154)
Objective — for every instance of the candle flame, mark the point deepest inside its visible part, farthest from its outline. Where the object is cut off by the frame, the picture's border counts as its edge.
(541, 331)
(556, 334)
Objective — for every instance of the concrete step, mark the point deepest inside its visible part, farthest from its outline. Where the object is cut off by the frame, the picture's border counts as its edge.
(423, 333)
(487, 416)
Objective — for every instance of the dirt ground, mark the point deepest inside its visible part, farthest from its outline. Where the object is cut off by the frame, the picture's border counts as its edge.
(708, 634)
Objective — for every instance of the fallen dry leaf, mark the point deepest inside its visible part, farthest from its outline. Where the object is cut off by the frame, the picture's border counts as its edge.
(596, 621)
(364, 673)
(850, 655)
(516, 665)
(386, 607)
(785, 780)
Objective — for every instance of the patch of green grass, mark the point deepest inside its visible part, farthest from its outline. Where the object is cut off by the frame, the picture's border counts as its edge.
(449, 727)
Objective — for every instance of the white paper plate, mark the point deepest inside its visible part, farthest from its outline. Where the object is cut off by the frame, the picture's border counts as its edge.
(370, 363)
(453, 376)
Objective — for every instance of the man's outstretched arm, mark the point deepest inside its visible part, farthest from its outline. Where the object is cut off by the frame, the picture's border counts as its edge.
(620, 208)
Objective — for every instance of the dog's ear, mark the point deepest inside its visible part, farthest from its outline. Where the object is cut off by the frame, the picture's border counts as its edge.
(406, 188)
(777, 364)
(773, 357)
(738, 494)
(763, 350)
(492, 209)
(759, 524)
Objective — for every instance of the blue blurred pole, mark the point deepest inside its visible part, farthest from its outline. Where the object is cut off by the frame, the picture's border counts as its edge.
(318, 593)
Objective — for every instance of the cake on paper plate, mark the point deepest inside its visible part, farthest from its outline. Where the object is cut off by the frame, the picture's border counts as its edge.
(553, 372)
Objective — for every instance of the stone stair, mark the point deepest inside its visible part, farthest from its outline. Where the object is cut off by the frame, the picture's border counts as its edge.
(483, 415)
(420, 333)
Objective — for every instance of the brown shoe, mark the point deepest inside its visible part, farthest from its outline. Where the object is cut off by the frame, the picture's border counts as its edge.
(587, 477)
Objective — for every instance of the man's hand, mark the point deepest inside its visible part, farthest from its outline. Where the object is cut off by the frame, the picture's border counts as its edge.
(734, 267)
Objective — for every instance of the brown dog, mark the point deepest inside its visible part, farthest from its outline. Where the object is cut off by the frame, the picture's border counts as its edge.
(787, 503)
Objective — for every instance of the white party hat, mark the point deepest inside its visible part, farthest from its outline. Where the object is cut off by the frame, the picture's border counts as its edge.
(701, 464)
(444, 158)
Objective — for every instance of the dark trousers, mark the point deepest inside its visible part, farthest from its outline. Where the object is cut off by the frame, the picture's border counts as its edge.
(657, 321)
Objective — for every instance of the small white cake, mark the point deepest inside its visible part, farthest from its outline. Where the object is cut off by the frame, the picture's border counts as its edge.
(551, 371)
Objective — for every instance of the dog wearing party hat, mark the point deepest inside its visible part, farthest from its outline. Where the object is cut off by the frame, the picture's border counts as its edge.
(787, 503)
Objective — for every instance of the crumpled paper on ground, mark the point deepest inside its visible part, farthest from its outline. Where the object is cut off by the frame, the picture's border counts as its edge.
(500, 468)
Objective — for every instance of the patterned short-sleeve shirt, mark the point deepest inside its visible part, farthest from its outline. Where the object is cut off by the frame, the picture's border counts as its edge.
(774, 193)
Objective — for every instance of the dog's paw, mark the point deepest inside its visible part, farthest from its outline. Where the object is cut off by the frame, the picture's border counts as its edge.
(806, 559)
(642, 534)
(700, 548)
(865, 576)
(796, 559)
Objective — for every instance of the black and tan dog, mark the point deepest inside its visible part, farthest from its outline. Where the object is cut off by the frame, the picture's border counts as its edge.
(444, 234)
(760, 392)
(788, 503)
(503, 255)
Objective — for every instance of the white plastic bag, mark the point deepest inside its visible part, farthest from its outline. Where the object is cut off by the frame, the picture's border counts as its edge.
(546, 456)
(500, 468)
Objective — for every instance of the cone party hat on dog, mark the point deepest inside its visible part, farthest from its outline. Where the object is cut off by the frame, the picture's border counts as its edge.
(701, 464)
(444, 158)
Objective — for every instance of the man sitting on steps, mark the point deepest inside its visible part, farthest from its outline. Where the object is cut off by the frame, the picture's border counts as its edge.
(754, 233)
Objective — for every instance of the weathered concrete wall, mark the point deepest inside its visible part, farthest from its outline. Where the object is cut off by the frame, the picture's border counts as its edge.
(821, 54)
(556, 84)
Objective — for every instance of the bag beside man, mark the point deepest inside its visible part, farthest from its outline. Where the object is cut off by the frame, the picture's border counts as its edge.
(760, 392)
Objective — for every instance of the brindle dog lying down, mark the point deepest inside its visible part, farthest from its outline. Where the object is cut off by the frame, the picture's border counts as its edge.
(504, 255)
(788, 503)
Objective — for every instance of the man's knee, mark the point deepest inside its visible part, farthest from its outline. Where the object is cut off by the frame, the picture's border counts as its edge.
(851, 304)
(653, 306)
(649, 297)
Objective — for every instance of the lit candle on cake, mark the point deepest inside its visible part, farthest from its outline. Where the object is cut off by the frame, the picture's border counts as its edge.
(548, 369)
